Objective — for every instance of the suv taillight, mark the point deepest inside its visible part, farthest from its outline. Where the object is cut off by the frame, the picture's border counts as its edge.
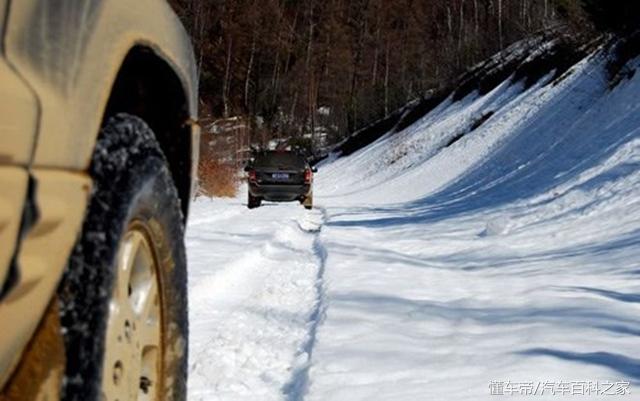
(252, 176)
(307, 176)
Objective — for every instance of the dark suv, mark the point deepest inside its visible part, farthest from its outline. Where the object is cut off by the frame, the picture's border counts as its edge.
(280, 176)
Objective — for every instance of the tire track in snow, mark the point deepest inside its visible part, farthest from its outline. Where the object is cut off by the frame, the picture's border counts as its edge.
(255, 307)
(297, 387)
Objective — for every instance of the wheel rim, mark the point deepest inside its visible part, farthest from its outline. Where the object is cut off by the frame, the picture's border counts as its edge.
(133, 344)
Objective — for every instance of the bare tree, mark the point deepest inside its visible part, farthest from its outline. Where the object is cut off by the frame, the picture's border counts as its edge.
(357, 60)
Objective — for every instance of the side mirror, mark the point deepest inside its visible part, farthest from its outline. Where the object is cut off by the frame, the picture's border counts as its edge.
(314, 169)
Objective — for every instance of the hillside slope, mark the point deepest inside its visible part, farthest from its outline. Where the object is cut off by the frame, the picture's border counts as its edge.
(508, 254)
(546, 119)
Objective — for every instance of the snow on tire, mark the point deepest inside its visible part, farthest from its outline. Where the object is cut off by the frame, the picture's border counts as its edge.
(132, 240)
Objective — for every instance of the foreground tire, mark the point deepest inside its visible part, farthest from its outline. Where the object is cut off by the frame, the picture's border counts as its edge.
(123, 298)
(253, 202)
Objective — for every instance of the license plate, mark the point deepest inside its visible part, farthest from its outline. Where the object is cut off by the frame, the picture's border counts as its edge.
(280, 176)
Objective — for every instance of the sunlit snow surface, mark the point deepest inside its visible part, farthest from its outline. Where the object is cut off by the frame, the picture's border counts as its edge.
(426, 273)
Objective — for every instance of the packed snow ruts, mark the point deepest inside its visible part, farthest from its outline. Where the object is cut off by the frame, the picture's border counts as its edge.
(255, 304)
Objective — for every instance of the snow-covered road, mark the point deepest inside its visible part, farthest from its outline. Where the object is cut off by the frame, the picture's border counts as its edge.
(256, 294)
(508, 261)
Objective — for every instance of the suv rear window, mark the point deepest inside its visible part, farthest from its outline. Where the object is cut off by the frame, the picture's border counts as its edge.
(280, 159)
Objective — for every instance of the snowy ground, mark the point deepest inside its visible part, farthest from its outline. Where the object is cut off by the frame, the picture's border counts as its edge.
(428, 272)
(255, 297)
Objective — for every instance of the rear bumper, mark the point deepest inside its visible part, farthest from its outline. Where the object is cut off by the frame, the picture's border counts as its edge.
(279, 193)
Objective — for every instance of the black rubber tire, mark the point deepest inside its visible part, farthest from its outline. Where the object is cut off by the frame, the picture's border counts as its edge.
(253, 202)
(131, 181)
(308, 201)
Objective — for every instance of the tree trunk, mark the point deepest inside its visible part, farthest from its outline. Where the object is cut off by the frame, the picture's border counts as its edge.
(374, 74)
(461, 37)
(247, 81)
(386, 80)
(476, 19)
(226, 83)
(309, 72)
(500, 24)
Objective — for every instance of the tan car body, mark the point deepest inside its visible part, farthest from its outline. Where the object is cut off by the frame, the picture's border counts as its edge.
(61, 64)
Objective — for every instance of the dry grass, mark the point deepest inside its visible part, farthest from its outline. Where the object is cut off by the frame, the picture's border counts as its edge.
(216, 179)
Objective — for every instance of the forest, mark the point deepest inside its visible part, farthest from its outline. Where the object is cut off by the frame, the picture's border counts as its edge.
(323, 69)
